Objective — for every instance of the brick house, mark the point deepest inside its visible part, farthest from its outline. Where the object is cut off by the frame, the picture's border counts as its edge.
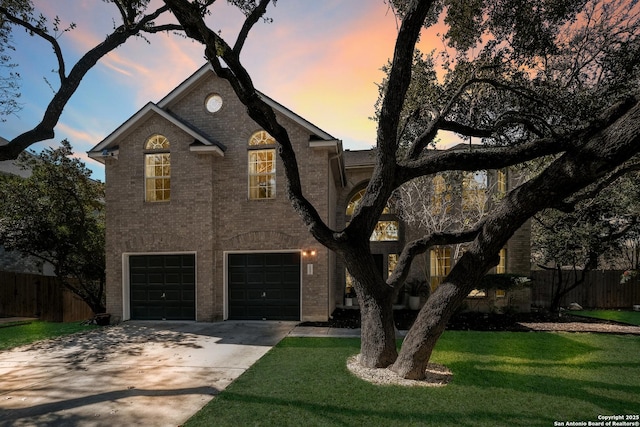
(198, 225)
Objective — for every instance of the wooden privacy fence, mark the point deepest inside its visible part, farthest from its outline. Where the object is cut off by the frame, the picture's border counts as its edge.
(31, 295)
(601, 289)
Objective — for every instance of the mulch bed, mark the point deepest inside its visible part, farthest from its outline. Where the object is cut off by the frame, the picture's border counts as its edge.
(467, 321)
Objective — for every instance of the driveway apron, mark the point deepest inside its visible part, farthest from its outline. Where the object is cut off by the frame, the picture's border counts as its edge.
(133, 374)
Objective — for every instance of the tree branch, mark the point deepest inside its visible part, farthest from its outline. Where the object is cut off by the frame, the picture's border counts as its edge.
(69, 84)
(600, 185)
(488, 157)
(251, 20)
(216, 47)
(419, 246)
(41, 33)
(422, 141)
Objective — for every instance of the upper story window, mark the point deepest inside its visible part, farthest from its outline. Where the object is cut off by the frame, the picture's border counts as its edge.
(501, 183)
(262, 166)
(157, 169)
(474, 192)
(355, 202)
(440, 264)
(441, 199)
(387, 229)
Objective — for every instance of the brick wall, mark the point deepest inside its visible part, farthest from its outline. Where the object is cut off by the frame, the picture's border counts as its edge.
(209, 212)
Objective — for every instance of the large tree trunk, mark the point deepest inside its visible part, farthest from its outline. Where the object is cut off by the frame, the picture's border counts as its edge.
(433, 317)
(378, 348)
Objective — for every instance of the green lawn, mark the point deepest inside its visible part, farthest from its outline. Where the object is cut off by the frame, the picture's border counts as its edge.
(630, 317)
(20, 333)
(500, 379)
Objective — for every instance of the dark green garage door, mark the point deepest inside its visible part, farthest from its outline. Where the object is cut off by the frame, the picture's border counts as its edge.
(162, 287)
(264, 286)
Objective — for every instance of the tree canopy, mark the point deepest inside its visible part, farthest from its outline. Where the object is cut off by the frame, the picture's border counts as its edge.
(56, 214)
(540, 78)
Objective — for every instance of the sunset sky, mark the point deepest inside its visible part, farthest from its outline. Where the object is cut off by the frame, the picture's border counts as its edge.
(320, 59)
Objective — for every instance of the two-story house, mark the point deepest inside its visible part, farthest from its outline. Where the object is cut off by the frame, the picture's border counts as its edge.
(198, 223)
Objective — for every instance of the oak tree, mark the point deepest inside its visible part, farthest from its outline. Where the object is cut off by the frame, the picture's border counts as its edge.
(530, 79)
(56, 214)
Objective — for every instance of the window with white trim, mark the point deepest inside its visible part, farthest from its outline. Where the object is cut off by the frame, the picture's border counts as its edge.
(157, 169)
(439, 265)
(262, 166)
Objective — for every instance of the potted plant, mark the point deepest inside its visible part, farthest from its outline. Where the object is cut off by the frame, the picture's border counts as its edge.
(348, 298)
(416, 288)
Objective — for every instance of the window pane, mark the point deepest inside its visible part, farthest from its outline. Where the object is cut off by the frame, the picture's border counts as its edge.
(502, 183)
(262, 177)
(441, 199)
(501, 268)
(355, 201)
(477, 293)
(474, 187)
(385, 231)
(439, 266)
(392, 261)
(261, 138)
(158, 177)
(157, 142)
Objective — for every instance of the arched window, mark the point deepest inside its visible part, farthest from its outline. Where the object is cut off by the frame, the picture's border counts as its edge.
(262, 166)
(355, 201)
(386, 230)
(157, 169)
(157, 142)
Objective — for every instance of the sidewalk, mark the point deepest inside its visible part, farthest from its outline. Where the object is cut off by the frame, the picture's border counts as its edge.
(326, 331)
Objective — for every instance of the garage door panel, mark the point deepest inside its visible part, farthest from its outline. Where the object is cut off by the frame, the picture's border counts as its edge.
(291, 277)
(237, 294)
(264, 286)
(254, 260)
(174, 295)
(155, 278)
(291, 259)
(254, 295)
(290, 295)
(172, 278)
(139, 295)
(155, 262)
(172, 261)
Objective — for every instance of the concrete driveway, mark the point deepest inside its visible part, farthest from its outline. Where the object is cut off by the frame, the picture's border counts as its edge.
(133, 374)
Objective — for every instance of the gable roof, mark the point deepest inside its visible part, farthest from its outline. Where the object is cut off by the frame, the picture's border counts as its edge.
(359, 158)
(108, 147)
(203, 72)
(319, 138)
